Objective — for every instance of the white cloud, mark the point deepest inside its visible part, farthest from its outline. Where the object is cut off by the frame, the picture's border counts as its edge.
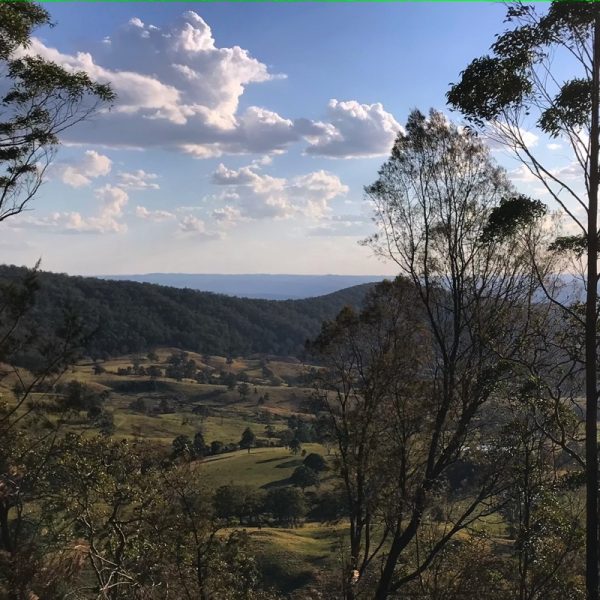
(554, 146)
(315, 190)
(523, 174)
(80, 173)
(177, 89)
(113, 200)
(191, 224)
(153, 215)
(227, 215)
(529, 138)
(138, 180)
(107, 220)
(138, 94)
(343, 225)
(264, 196)
(354, 130)
(500, 130)
(570, 171)
(242, 176)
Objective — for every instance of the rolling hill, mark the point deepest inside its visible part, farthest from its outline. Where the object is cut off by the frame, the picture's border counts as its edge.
(133, 317)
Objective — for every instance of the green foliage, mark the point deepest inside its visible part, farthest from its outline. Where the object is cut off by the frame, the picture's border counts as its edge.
(248, 439)
(491, 87)
(244, 390)
(575, 244)
(183, 446)
(240, 502)
(41, 100)
(304, 477)
(512, 214)
(143, 526)
(294, 445)
(200, 447)
(132, 317)
(287, 505)
(315, 462)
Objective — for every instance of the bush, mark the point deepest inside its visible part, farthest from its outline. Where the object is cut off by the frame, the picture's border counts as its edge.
(315, 462)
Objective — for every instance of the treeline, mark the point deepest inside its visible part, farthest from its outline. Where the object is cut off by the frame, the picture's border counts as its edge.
(122, 317)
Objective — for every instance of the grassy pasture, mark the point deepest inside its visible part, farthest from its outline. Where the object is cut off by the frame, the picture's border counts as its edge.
(261, 467)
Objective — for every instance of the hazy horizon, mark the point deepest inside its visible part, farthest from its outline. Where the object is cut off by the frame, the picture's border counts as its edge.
(268, 286)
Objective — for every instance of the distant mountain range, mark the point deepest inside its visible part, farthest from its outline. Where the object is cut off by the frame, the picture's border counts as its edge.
(269, 287)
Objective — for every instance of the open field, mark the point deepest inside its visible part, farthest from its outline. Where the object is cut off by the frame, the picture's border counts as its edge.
(290, 557)
(261, 467)
(159, 409)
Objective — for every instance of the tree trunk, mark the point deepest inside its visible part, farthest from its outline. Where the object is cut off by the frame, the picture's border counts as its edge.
(5, 538)
(591, 393)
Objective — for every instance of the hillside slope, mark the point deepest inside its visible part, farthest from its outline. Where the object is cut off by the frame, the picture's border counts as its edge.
(135, 317)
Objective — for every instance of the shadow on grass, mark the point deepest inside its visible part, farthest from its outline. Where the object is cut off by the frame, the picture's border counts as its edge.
(215, 458)
(276, 484)
(283, 578)
(290, 464)
(269, 460)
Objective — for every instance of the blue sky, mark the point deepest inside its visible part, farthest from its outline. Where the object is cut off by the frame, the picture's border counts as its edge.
(243, 134)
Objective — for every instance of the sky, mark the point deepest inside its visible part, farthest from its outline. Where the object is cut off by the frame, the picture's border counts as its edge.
(242, 135)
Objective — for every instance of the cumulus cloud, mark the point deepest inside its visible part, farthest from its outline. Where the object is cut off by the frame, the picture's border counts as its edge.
(499, 131)
(153, 215)
(227, 215)
(352, 130)
(138, 180)
(81, 172)
(112, 200)
(195, 225)
(522, 174)
(178, 89)
(263, 196)
(313, 192)
(570, 171)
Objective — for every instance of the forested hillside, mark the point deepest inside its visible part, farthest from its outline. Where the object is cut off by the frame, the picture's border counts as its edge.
(132, 317)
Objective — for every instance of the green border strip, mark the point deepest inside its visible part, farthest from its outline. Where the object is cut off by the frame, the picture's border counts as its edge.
(286, 1)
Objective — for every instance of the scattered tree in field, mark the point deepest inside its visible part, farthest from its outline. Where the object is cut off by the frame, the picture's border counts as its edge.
(139, 405)
(304, 477)
(315, 462)
(182, 446)
(164, 407)
(154, 372)
(294, 445)
(248, 439)
(98, 369)
(200, 447)
(287, 505)
(244, 390)
(216, 447)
